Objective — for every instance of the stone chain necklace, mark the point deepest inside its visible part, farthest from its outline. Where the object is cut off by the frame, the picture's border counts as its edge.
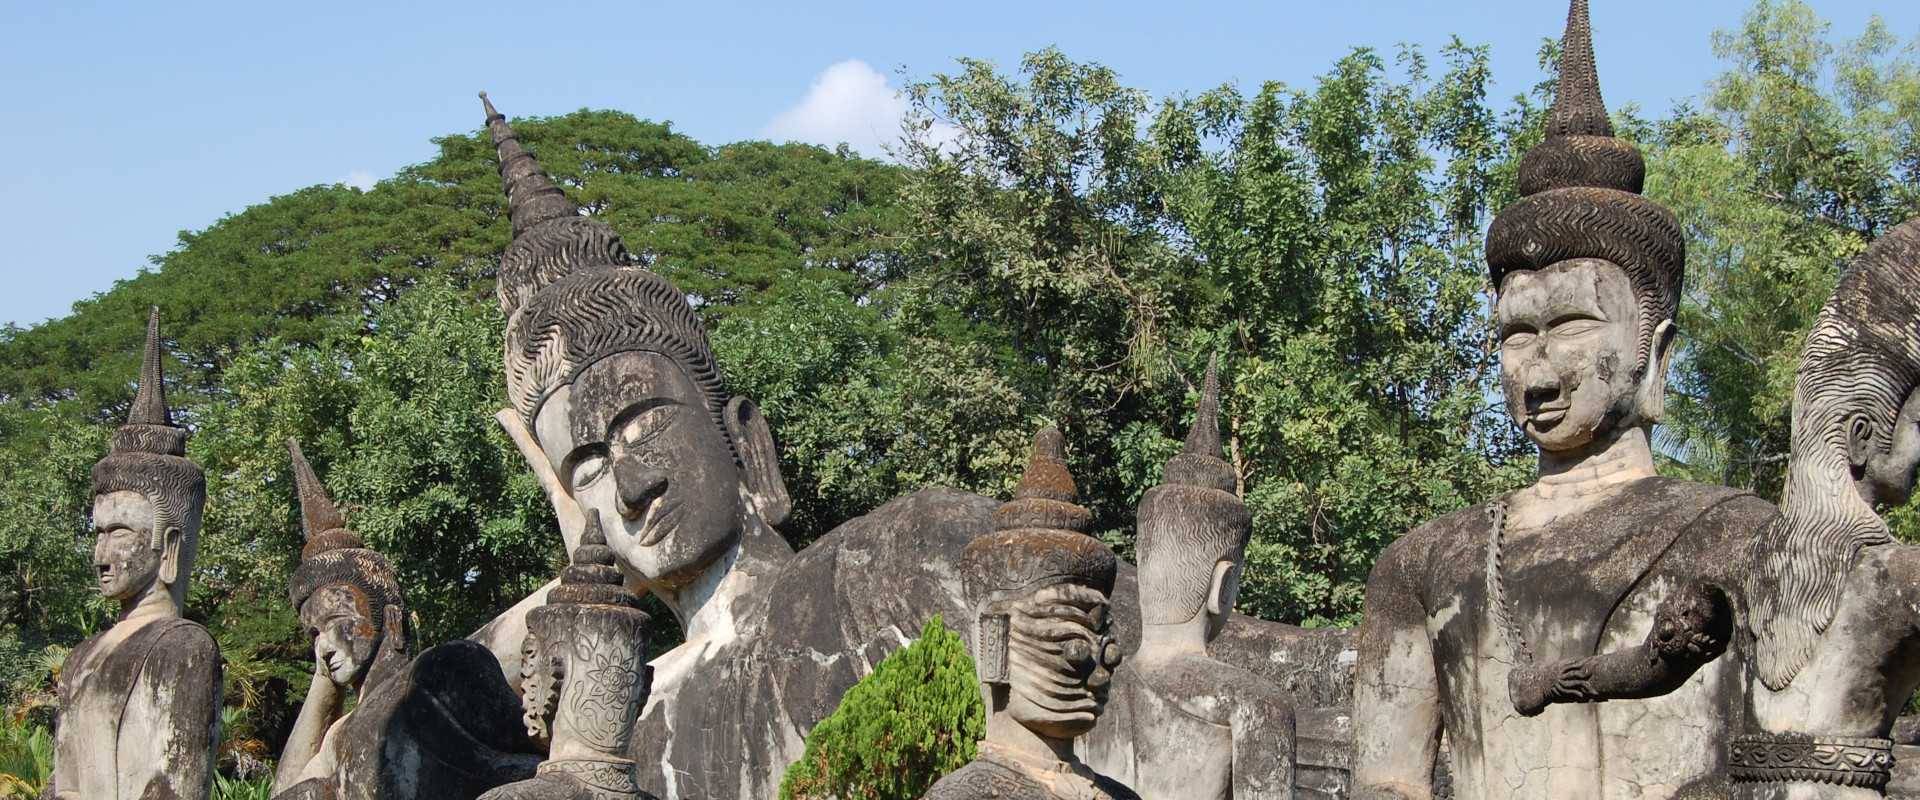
(1503, 612)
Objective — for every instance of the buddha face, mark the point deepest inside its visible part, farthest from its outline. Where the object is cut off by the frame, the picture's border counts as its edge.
(1569, 339)
(345, 637)
(632, 439)
(1887, 476)
(1059, 660)
(124, 559)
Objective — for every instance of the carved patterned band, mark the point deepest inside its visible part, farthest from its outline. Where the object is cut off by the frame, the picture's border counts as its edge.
(1779, 758)
(604, 779)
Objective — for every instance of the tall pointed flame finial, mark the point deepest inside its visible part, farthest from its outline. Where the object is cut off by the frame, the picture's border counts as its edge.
(150, 399)
(318, 514)
(1203, 439)
(1578, 109)
(531, 196)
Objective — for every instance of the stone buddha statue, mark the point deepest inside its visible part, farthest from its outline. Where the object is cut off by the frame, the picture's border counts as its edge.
(1836, 601)
(140, 702)
(621, 412)
(1038, 586)
(443, 725)
(1506, 624)
(582, 681)
(1183, 725)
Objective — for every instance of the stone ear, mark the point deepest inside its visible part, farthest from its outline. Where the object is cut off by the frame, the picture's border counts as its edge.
(170, 555)
(1859, 441)
(1220, 595)
(1653, 383)
(990, 649)
(759, 461)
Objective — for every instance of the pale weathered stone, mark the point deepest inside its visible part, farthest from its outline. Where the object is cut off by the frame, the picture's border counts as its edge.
(583, 681)
(688, 484)
(1181, 725)
(1479, 618)
(1038, 588)
(140, 703)
(1836, 601)
(442, 726)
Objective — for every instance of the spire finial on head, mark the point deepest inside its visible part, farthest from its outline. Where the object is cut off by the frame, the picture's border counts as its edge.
(150, 398)
(531, 196)
(1578, 109)
(318, 514)
(1203, 439)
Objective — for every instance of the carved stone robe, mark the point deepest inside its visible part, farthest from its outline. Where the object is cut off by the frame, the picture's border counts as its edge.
(997, 774)
(1589, 585)
(140, 720)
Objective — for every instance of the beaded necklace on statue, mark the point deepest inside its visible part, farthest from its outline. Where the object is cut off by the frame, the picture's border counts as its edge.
(1503, 612)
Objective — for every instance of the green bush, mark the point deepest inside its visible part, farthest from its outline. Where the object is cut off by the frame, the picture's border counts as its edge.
(26, 757)
(916, 718)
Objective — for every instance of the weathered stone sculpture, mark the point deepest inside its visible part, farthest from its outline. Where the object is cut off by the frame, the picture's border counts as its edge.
(583, 681)
(1836, 602)
(1590, 557)
(140, 703)
(444, 725)
(1038, 586)
(620, 409)
(1182, 725)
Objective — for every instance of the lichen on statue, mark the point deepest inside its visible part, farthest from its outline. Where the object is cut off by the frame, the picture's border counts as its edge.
(442, 725)
(1833, 595)
(1180, 724)
(1505, 624)
(140, 702)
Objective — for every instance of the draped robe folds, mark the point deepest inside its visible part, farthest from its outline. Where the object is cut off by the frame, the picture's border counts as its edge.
(1589, 584)
(139, 720)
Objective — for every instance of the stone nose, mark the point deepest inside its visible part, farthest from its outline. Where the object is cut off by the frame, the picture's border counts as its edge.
(639, 485)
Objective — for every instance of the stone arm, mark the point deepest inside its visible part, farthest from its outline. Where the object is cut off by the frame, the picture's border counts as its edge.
(1263, 742)
(1396, 692)
(1691, 628)
(171, 725)
(317, 713)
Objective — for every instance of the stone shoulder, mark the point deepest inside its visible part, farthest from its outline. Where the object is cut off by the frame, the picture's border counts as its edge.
(1183, 681)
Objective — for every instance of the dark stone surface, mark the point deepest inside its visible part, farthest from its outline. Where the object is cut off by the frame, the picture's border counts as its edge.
(447, 727)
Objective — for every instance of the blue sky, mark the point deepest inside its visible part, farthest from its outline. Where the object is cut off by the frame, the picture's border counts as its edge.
(128, 123)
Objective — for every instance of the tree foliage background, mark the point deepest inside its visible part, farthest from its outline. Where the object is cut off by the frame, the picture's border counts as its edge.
(1051, 245)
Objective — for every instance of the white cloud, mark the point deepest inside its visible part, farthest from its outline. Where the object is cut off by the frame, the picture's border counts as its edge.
(360, 179)
(848, 102)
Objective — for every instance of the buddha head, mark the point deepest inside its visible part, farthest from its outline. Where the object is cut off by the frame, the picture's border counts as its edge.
(1856, 444)
(147, 497)
(346, 594)
(1587, 272)
(1039, 586)
(1194, 529)
(610, 371)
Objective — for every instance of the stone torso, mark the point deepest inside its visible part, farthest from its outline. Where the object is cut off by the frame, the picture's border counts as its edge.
(1158, 745)
(139, 710)
(999, 774)
(1589, 584)
(728, 715)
